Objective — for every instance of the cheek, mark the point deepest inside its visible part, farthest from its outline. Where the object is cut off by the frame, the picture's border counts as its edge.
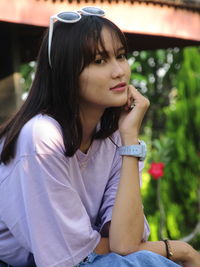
(128, 71)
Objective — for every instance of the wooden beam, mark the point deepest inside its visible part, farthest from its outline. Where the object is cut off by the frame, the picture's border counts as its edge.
(131, 16)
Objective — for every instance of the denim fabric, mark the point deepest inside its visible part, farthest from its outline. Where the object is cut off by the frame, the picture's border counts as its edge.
(142, 258)
(2, 264)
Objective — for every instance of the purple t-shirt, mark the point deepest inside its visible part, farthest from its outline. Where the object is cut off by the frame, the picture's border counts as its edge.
(54, 206)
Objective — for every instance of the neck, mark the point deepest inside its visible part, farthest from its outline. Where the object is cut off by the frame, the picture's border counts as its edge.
(89, 121)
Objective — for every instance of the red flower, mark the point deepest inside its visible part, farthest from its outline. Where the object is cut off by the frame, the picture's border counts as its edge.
(157, 170)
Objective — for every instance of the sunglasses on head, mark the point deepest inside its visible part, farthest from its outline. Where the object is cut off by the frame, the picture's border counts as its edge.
(71, 17)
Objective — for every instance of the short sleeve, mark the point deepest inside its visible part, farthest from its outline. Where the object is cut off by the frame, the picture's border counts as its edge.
(105, 212)
(51, 220)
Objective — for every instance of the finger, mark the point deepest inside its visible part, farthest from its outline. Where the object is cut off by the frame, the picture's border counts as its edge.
(133, 93)
(132, 105)
(137, 99)
(132, 96)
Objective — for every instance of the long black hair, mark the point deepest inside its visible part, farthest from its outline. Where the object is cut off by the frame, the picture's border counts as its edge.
(55, 90)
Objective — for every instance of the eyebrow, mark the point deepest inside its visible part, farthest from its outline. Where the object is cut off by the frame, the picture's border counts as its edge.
(106, 53)
(121, 49)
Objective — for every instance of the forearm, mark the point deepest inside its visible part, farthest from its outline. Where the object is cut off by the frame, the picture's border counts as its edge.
(182, 252)
(103, 246)
(180, 249)
(127, 223)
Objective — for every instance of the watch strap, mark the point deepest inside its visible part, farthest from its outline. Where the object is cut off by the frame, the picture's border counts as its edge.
(138, 150)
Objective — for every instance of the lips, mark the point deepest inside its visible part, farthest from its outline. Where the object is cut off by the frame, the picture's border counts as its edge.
(119, 86)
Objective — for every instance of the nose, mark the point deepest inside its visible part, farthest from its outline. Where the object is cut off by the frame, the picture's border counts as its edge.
(117, 69)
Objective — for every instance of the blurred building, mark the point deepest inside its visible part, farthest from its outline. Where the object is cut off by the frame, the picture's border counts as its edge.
(148, 24)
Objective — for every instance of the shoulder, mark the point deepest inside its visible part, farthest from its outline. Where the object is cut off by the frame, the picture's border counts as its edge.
(42, 134)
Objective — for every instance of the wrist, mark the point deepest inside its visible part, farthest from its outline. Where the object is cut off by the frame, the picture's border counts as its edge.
(168, 249)
(138, 150)
(128, 140)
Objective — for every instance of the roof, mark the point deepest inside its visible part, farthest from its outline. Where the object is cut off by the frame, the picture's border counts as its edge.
(149, 24)
(181, 4)
(187, 4)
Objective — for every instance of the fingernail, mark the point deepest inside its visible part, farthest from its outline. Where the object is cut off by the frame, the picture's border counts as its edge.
(132, 106)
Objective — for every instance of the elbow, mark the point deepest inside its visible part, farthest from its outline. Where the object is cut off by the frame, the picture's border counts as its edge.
(123, 249)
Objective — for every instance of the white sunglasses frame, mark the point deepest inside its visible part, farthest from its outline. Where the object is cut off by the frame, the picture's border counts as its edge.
(56, 17)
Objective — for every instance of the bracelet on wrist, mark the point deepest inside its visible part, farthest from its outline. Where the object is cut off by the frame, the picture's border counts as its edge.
(168, 248)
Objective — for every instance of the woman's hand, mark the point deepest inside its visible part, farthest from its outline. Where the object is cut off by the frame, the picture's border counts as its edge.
(192, 258)
(131, 119)
(183, 253)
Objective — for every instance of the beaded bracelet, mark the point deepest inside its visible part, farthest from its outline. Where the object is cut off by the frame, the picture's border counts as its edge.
(168, 248)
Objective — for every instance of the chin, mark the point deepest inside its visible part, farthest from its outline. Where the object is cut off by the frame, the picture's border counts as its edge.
(118, 105)
(121, 103)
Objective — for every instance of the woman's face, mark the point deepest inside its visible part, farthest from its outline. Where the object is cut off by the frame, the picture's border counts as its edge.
(104, 83)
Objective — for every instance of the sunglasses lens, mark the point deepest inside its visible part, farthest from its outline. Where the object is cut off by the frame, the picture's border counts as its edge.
(69, 16)
(94, 11)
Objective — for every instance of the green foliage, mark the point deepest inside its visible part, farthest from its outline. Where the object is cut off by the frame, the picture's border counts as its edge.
(27, 71)
(161, 149)
(183, 128)
(172, 202)
(153, 73)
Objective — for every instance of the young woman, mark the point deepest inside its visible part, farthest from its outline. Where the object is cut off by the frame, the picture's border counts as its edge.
(70, 158)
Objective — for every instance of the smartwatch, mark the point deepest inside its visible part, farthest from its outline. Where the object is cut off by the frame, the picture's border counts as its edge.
(139, 151)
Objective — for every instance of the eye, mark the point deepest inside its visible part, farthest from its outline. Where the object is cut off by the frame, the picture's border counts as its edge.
(99, 61)
(121, 56)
